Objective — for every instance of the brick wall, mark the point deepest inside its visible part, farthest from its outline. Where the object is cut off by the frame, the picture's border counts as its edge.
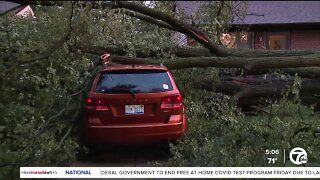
(307, 39)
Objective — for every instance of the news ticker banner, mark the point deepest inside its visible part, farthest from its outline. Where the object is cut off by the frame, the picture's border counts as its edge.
(169, 172)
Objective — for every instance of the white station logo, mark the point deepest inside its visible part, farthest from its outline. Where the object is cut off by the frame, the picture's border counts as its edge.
(298, 156)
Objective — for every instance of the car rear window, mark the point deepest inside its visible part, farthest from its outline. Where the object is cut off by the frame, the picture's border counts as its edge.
(133, 82)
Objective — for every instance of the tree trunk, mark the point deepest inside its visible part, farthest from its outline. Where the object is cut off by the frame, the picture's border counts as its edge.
(309, 72)
(249, 91)
(197, 52)
(249, 64)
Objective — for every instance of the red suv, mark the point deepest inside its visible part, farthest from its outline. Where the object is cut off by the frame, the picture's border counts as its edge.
(134, 104)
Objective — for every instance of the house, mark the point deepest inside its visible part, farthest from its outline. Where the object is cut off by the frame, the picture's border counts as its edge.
(271, 25)
(19, 10)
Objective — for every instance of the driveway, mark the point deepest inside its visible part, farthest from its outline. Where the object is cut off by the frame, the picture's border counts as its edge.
(124, 156)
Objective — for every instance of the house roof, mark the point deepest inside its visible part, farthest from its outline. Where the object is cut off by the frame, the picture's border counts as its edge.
(280, 12)
(7, 6)
(18, 9)
(267, 12)
(188, 6)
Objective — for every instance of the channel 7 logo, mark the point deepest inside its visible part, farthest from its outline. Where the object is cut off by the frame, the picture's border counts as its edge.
(298, 156)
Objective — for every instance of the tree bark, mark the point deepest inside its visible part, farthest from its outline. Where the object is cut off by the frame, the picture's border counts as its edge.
(198, 52)
(283, 62)
(309, 72)
(249, 91)
(265, 86)
(249, 64)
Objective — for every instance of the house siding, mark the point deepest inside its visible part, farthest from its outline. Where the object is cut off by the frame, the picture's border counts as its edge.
(305, 39)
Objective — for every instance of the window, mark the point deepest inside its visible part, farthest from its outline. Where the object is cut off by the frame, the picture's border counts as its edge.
(244, 40)
(241, 40)
(191, 42)
(228, 40)
(134, 82)
(260, 40)
(277, 41)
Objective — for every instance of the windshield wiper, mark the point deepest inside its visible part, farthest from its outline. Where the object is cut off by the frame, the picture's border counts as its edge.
(123, 89)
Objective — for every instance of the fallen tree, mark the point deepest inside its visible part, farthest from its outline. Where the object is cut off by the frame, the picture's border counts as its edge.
(194, 52)
(310, 72)
(44, 76)
(305, 62)
(249, 64)
(252, 61)
(200, 57)
(248, 92)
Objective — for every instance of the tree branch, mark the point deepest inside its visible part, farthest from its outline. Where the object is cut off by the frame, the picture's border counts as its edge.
(147, 19)
(185, 28)
(49, 51)
(167, 21)
(71, 16)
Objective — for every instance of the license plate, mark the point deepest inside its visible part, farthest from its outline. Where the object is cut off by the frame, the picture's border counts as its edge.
(134, 109)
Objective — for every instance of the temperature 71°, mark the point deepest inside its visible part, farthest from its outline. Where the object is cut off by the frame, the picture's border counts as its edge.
(272, 160)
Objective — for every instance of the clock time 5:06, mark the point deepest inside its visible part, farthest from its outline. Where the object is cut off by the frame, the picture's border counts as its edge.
(272, 151)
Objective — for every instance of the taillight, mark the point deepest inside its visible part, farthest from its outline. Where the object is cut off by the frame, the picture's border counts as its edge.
(101, 105)
(97, 104)
(169, 102)
(90, 102)
(178, 101)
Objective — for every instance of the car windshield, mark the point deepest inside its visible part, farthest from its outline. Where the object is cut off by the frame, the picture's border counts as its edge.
(133, 82)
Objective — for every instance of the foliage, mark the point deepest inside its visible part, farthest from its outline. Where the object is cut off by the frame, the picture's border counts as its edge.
(213, 17)
(105, 27)
(43, 80)
(38, 102)
(221, 135)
